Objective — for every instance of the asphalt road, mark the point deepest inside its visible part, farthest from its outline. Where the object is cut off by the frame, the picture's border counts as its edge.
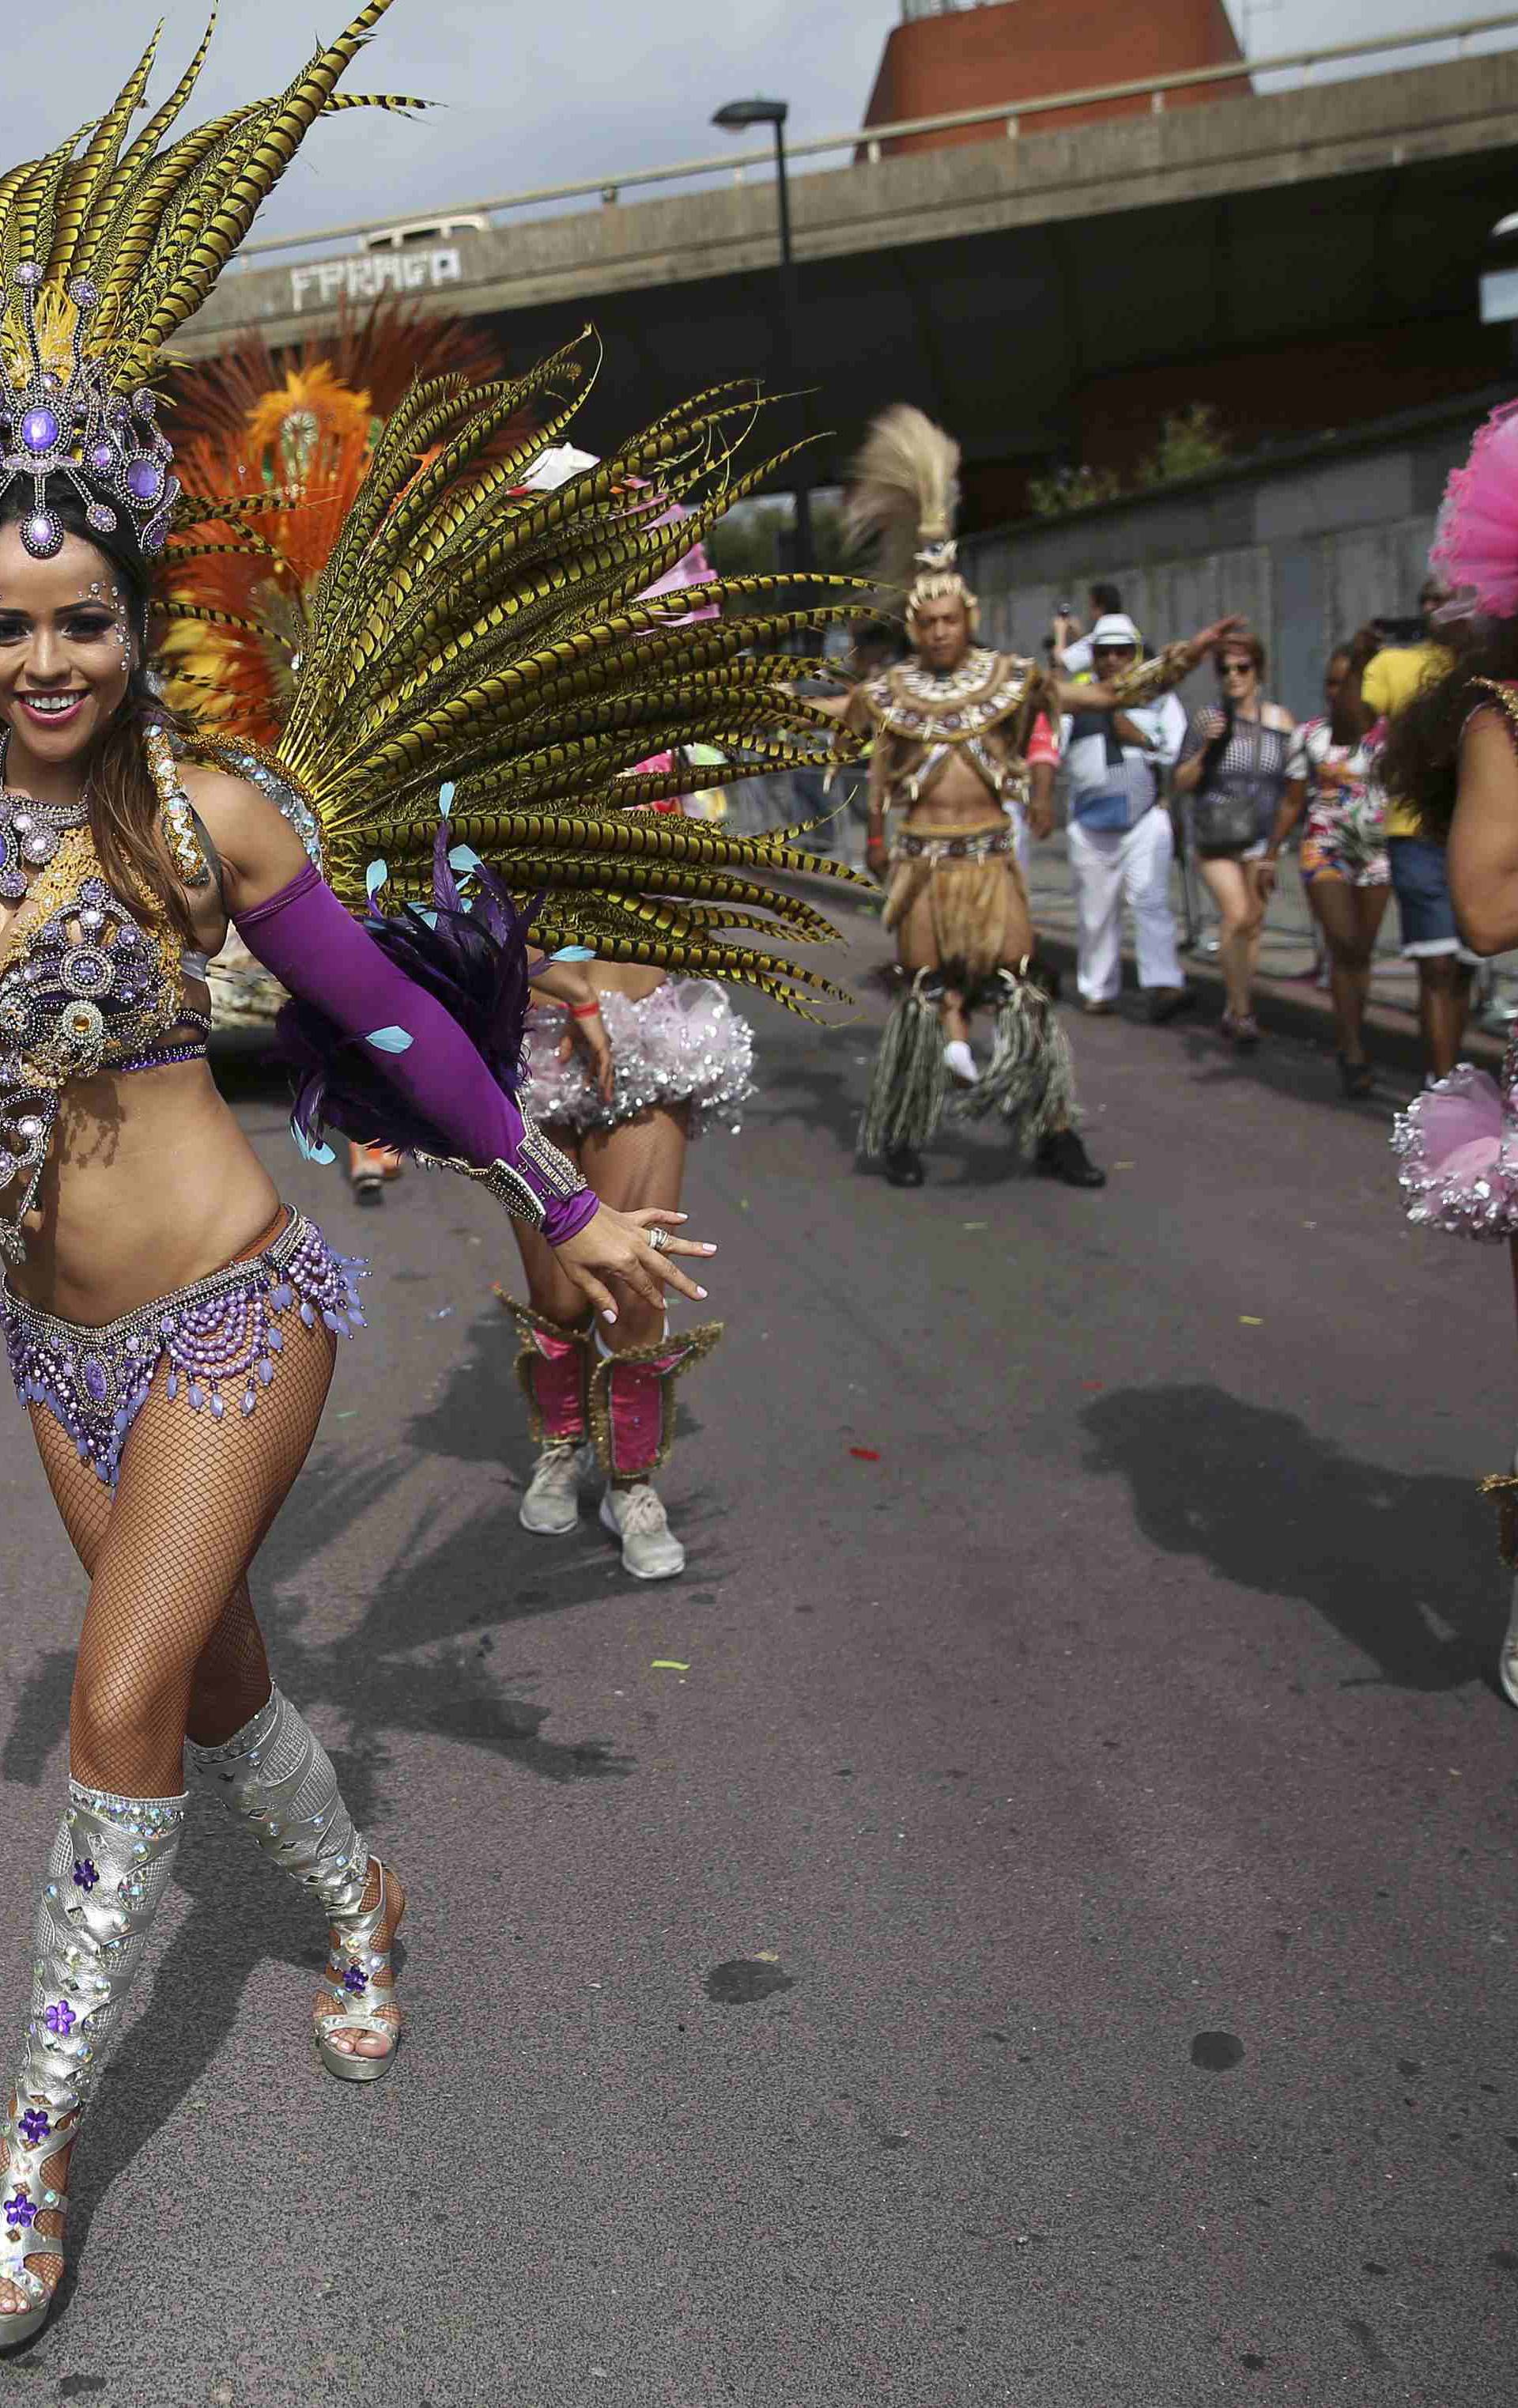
(1053, 1944)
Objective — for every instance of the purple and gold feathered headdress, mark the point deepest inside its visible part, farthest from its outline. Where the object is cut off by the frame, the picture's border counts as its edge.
(105, 252)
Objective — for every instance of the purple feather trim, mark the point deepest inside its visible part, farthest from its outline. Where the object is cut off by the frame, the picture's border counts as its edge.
(473, 961)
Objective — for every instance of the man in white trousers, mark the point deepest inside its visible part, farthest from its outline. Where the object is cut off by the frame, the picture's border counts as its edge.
(1120, 847)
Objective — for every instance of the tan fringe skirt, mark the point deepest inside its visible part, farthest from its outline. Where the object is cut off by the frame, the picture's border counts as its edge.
(970, 893)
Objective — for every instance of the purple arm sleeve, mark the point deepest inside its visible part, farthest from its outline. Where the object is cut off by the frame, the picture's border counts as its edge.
(320, 952)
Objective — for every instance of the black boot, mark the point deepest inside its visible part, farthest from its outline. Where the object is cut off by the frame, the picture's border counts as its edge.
(1063, 1156)
(904, 1166)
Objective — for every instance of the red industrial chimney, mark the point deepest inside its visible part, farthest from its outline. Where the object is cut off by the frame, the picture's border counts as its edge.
(951, 55)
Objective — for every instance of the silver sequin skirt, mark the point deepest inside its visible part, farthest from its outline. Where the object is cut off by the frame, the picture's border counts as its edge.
(682, 1044)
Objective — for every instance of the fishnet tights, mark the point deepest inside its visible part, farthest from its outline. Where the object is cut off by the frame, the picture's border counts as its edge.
(170, 1638)
(638, 1162)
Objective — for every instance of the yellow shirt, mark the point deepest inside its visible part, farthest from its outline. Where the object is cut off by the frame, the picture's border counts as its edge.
(1390, 682)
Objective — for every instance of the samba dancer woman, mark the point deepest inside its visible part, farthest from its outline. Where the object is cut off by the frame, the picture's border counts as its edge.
(170, 1324)
(622, 1078)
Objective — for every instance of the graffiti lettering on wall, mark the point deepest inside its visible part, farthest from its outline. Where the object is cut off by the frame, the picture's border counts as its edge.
(366, 277)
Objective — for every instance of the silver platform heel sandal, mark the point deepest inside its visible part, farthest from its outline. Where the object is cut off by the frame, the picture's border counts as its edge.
(360, 1986)
(277, 1777)
(109, 1869)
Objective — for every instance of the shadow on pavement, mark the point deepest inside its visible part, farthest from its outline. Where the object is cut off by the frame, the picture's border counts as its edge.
(1400, 1564)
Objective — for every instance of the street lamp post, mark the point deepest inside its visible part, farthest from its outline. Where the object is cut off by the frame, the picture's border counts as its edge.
(735, 118)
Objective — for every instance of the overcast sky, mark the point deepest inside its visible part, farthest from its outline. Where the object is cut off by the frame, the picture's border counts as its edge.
(534, 93)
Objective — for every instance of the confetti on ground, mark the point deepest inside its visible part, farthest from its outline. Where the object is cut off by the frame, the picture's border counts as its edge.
(975, 1225)
(1094, 1383)
(442, 1312)
(1252, 1321)
(347, 1416)
(668, 1664)
(866, 1453)
(1124, 1166)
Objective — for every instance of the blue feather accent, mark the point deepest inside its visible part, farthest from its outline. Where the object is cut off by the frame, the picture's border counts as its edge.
(573, 954)
(462, 859)
(376, 876)
(314, 1152)
(445, 799)
(391, 1040)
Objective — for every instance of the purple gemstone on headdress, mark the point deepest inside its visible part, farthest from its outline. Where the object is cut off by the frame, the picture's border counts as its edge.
(144, 480)
(95, 1380)
(29, 273)
(39, 430)
(101, 516)
(102, 457)
(155, 535)
(144, 401)
(83, 292)
(43, 535)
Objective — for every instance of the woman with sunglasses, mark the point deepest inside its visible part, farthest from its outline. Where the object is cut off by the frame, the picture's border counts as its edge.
(1233, 765)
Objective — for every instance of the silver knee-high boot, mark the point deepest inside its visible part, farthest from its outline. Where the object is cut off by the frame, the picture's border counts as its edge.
(105, 1879)
(277, 1777)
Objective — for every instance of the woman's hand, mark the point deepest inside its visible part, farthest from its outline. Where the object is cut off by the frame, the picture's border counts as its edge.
(1266, 872)
(615, 1246)
(585, 1030)
(1208, 638)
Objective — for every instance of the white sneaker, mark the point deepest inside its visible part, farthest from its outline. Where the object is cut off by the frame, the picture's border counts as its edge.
(552, 1504)
(961, 1061)
(649, 1549)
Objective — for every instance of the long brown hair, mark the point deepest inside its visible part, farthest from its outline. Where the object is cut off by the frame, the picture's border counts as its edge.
(125, 807)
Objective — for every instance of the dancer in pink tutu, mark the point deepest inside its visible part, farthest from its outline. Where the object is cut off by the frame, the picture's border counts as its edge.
(624, 1077)
(1453, 753)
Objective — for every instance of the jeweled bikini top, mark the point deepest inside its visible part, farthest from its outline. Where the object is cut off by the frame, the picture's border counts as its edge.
(87, 983)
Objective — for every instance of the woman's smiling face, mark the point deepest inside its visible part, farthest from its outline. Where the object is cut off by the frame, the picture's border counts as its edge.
(66, 650)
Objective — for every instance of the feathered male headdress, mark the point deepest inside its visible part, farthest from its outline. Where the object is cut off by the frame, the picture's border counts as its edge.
(903, 497)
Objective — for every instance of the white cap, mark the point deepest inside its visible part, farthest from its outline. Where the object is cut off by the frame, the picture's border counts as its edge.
(1116, 628)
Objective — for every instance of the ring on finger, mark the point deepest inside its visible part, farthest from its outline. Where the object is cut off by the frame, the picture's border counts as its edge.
(658, 1239)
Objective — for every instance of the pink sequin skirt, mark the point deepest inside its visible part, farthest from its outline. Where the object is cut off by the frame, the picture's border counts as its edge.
(682, 1044)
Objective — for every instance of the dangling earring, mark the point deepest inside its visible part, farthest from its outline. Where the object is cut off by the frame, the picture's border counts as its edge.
(178, 820)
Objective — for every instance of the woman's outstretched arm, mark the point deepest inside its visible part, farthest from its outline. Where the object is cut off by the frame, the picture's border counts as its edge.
(291, 922)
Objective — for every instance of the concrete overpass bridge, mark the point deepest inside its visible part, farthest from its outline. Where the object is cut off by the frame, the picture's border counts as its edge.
(1039, 295)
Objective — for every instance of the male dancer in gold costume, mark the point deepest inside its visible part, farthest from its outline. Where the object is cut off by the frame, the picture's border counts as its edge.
(952, 729)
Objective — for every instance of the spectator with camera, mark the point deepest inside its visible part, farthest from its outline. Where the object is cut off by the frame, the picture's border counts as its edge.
(1121, 846)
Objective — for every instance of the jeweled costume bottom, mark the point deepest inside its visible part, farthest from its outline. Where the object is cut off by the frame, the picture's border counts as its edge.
(221, 1337)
